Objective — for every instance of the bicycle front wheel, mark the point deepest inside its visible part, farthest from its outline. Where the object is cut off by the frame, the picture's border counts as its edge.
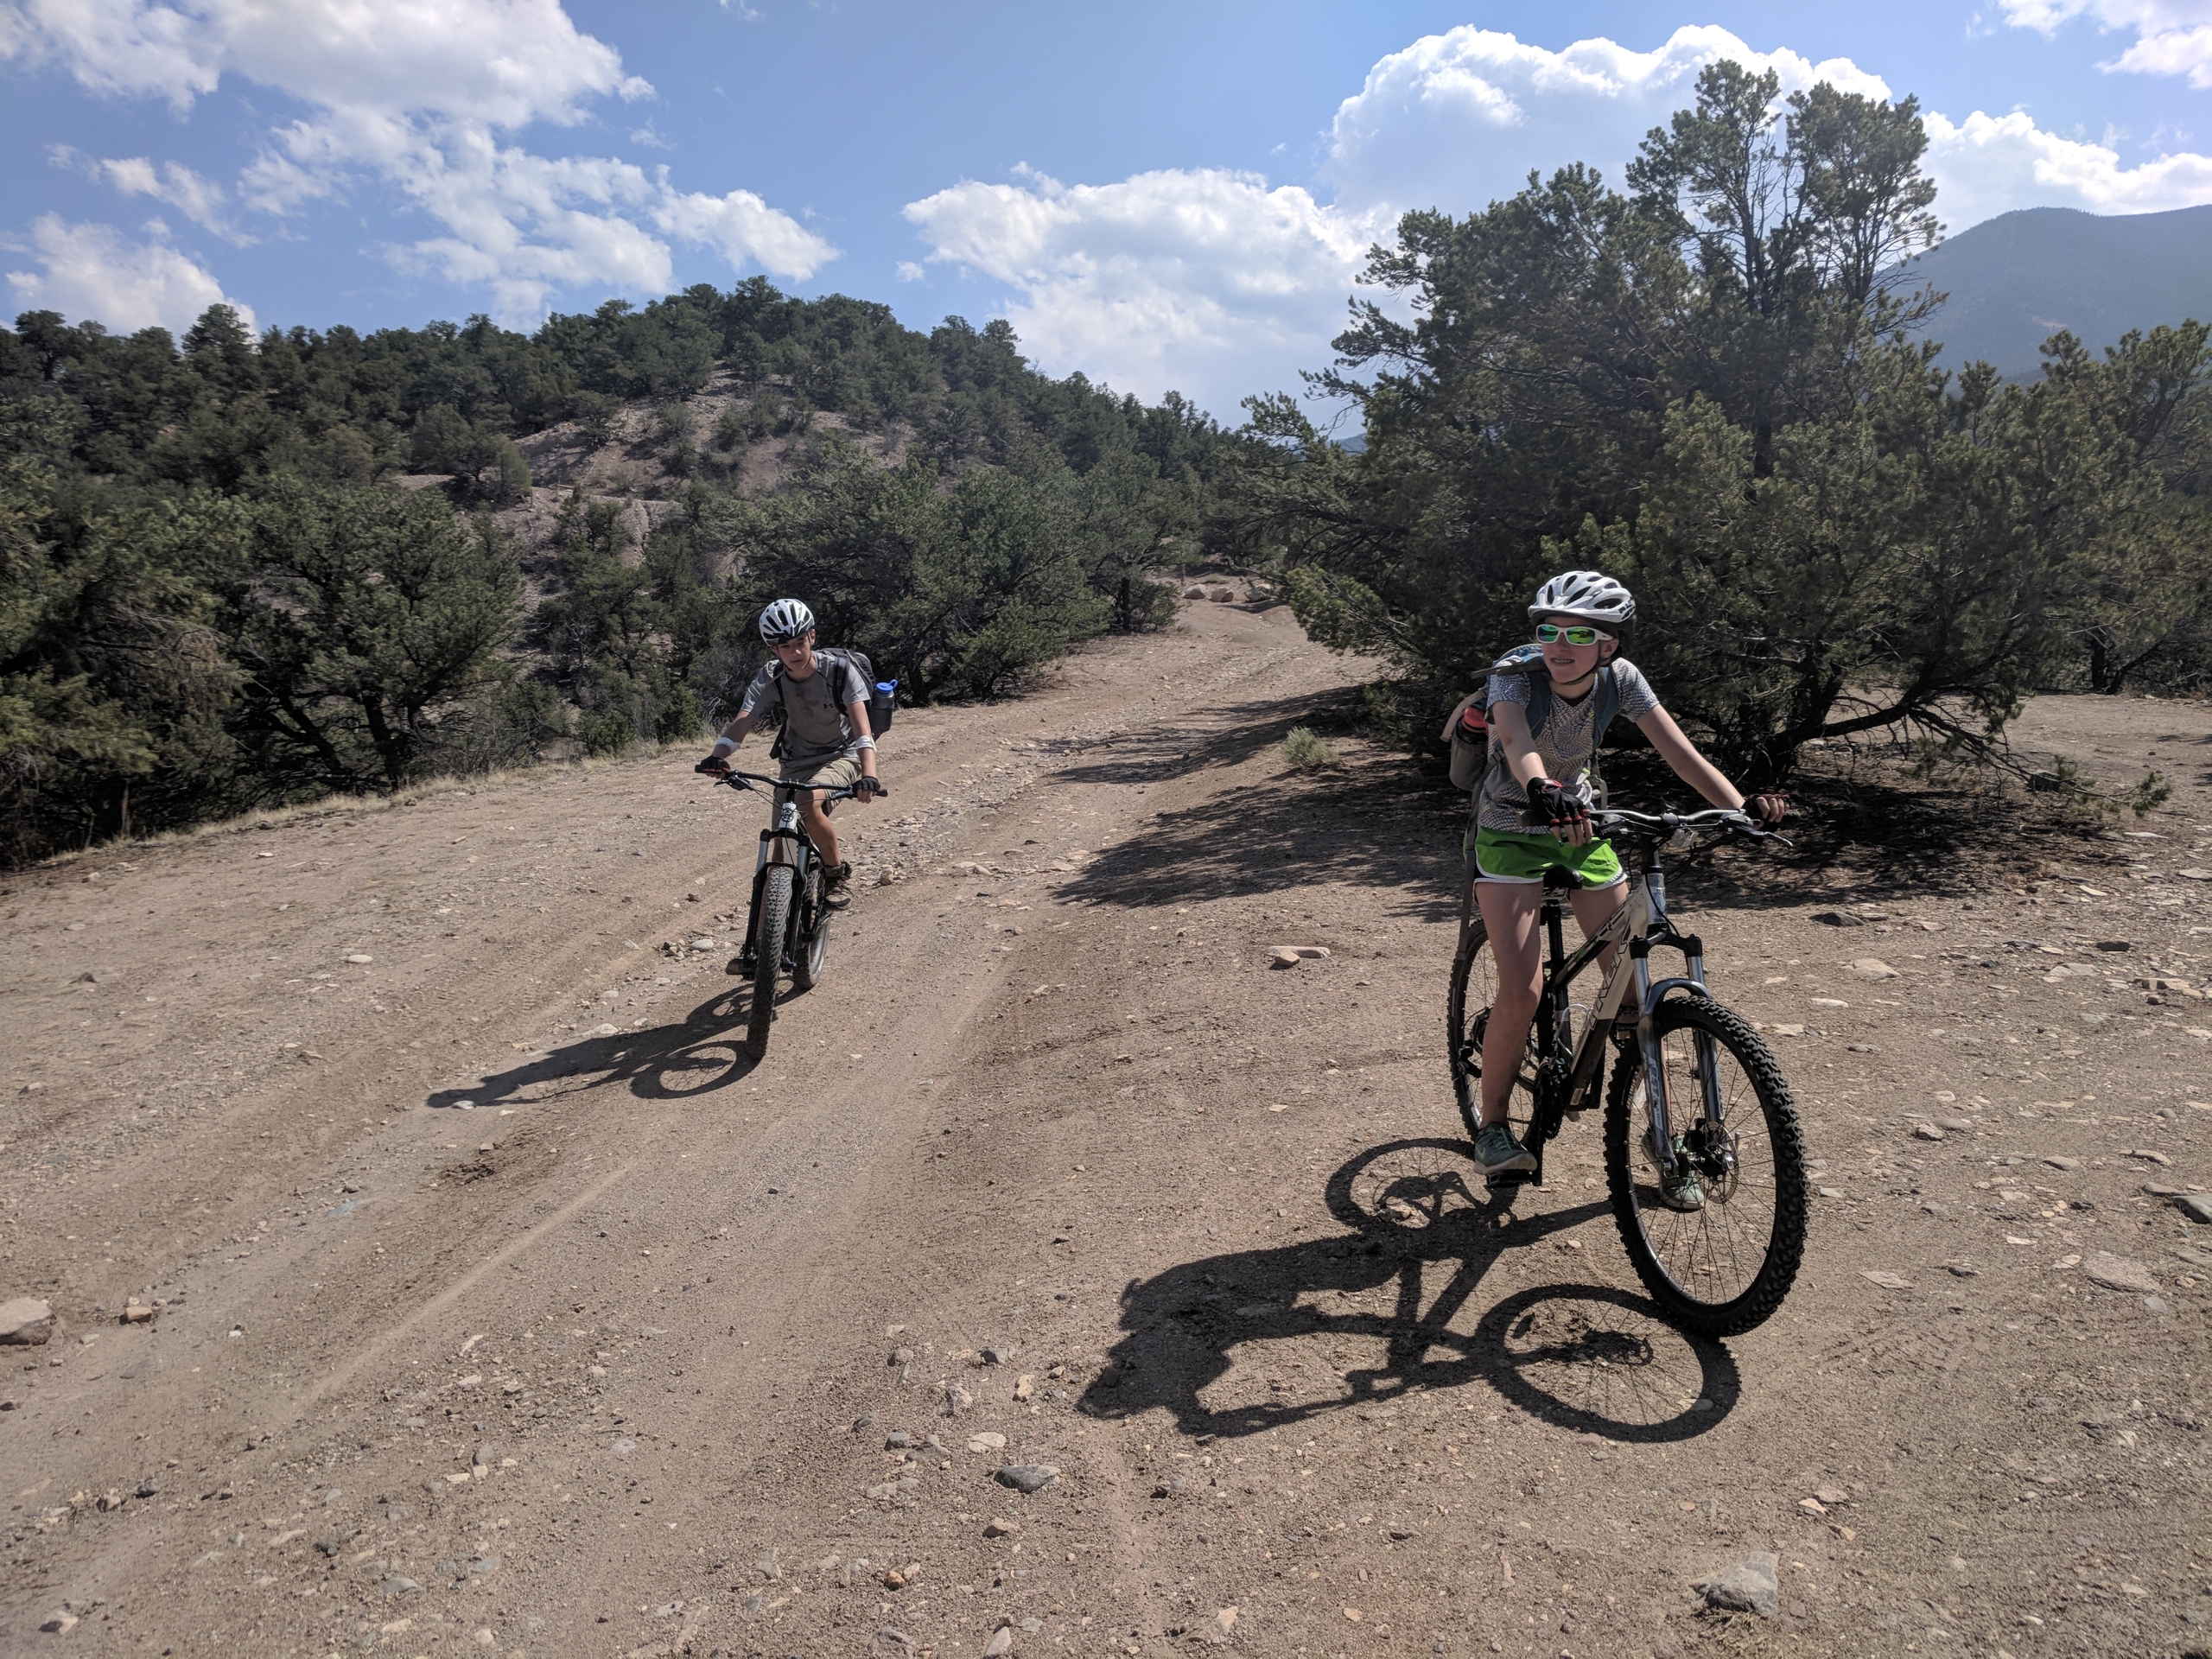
(1723, 1265)
(768, 947)
(1474, 993)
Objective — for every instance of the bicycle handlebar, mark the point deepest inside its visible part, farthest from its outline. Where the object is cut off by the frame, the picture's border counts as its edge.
(1659, 825)
(746, 779)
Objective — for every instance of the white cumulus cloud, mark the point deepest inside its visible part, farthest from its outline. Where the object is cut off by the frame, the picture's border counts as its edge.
(1458, 120)
(1206, 280)
(2173, 37)
(200, 200)
(503, 62)
(90, 271)
(1988, 165)
(422, 96)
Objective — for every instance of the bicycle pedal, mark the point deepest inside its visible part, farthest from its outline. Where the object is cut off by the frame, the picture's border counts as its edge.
(1510, 1177)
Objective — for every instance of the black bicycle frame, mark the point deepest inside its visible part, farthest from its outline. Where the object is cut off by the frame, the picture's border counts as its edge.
(783, 842)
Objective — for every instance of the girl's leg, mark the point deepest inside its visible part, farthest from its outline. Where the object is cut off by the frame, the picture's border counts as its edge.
(1510, 915)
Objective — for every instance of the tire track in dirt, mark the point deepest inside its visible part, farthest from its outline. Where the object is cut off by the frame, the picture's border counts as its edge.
(462, 1257)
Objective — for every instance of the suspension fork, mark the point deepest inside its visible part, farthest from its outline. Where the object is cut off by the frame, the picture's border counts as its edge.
(1650, 996)
(786, 844)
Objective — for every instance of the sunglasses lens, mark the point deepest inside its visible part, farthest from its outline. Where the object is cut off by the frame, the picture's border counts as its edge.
(1550, 634)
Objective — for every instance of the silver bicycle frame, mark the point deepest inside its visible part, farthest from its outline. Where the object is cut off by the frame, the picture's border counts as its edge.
(1647, 902)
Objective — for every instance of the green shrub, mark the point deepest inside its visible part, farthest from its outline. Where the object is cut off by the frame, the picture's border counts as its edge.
(1309, 752)
(680, 717)
(608, 734)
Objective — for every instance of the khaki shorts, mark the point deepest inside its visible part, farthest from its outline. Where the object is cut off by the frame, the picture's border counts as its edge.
(836, 773)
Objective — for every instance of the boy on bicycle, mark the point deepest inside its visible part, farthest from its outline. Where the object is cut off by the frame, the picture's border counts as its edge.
(826, 743)
(1545, 774)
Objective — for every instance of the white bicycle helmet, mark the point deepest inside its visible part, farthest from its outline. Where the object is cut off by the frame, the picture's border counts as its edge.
(1590, 593)
(785, 619)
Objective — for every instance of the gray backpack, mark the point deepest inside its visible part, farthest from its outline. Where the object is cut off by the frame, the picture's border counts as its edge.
(1475, 747)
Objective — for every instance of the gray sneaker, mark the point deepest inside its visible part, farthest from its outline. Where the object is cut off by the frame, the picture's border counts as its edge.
(1499, 1154)
(1682, 1190)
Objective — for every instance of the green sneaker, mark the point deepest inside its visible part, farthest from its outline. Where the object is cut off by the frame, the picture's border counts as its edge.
(1682, 1190)
(1499, 1154)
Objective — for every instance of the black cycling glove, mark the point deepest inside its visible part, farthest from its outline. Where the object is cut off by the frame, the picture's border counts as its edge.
(714, 766)
(1558, 807)
(864, 786)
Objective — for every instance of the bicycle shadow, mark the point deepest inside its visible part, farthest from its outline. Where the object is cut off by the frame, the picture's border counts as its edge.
(1240, 1344)
(697, 1055)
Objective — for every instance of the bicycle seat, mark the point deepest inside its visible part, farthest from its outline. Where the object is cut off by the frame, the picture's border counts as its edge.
(1558, 880)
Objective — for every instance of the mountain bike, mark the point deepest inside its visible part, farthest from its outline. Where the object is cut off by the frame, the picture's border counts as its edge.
(787, 926)
(1710, 1090)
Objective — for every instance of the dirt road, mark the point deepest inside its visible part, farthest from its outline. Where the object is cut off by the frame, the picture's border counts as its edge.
(501, 1305)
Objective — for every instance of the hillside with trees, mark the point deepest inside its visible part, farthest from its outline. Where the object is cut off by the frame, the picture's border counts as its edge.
(1718, 387)
(242, 571)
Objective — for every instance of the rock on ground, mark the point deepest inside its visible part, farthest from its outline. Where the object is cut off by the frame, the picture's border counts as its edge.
(2119, 1273)
(26, 1321)
(1750, 1586)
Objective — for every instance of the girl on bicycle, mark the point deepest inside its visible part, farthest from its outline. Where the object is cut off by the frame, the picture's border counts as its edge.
(1544, 774)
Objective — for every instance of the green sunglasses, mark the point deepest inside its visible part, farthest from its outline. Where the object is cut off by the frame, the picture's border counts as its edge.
(1551, 634)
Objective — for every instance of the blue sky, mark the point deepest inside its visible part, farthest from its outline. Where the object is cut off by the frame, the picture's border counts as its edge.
(1160, 195)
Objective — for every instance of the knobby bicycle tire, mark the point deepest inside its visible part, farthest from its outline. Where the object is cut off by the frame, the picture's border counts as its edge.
(1474, 986)
(768, 947)
(1723, 1269)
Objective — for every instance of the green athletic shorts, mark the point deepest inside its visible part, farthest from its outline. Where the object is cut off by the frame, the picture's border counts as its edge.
(1501, 856)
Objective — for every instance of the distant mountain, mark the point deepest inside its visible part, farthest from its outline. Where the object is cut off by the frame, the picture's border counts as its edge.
(2017, 279)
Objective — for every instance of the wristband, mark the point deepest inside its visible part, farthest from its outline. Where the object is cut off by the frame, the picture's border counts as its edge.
(723, 746)
(864, 742)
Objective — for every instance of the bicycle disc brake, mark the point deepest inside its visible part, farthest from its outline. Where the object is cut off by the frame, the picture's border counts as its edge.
(1713, 1149)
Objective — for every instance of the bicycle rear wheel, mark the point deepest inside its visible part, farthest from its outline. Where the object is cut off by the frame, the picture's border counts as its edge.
(813, 949)
(1474, 992)
(1723, 1268)
(768, 951)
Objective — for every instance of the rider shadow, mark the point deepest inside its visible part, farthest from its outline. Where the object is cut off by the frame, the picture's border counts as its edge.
(695, 1057)
(1239, 1343)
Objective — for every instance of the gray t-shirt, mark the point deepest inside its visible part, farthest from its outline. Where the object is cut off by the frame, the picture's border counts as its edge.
(815, 726)
(1564, 742)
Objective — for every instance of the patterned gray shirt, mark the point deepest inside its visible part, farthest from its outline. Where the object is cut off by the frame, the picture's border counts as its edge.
(1563, 742)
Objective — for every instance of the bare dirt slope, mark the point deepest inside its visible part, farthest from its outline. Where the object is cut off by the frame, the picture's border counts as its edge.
(504, 1307)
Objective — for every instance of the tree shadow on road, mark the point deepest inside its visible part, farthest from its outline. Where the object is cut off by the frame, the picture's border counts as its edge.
(1214, 1341)
(1369, 820)
(694, 1056)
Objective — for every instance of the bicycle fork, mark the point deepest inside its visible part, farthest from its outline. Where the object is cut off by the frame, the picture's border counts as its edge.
(785, 844)
(1649, 995)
